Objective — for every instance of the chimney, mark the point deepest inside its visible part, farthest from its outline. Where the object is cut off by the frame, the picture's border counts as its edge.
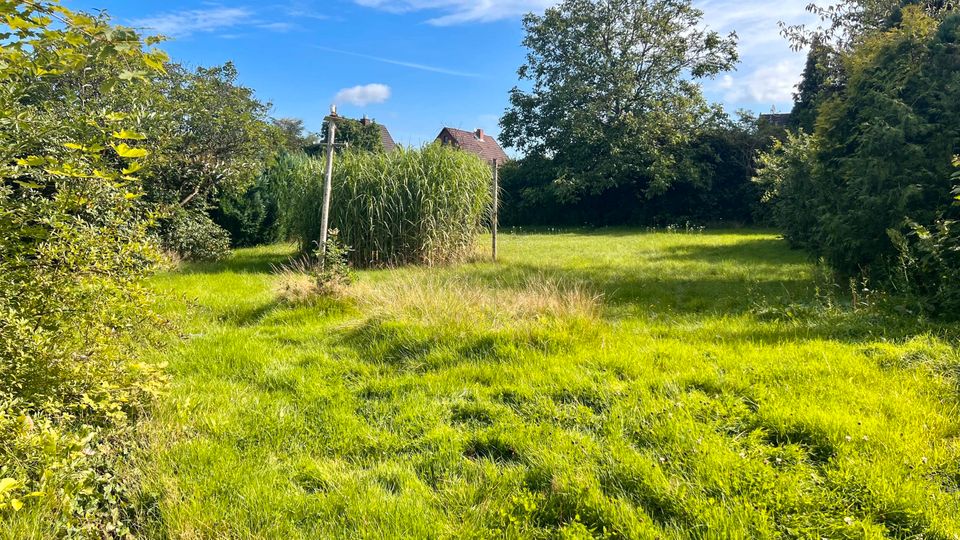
(364, 121)
(479, 134)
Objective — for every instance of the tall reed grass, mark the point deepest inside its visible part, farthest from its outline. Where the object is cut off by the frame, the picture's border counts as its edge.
(410, 206)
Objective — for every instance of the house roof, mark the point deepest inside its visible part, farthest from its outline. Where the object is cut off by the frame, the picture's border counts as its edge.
(388, 143)
(475, 142)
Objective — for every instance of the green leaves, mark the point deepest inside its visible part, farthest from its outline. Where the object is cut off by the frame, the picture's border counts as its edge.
(73, 247)
(609, 113)
(128, 135)
(129, 75)
(91, 149)
(32, 161)
(18, 23)
(133, 167)
(128, 152)
(156, 59)
(8, 484)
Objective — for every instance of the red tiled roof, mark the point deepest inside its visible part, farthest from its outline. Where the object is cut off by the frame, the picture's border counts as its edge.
(486, 147)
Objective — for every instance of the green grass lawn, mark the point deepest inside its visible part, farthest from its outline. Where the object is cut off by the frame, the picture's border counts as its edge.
(607, 384)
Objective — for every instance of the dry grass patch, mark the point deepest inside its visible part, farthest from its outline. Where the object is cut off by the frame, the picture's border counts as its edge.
(293, 287)
(455, 300)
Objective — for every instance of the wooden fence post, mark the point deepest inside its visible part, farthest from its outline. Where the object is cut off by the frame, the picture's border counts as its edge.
(496, 206)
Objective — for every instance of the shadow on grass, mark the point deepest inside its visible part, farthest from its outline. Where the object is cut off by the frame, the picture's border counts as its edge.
(249, 261)
(657, 293)
(619, 232)
(765, 251)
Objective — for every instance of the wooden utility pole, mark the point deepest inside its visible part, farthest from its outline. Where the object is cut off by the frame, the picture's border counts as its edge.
(494, 217)
(328, 180)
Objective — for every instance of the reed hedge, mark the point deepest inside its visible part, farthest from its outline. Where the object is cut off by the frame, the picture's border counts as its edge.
(410, 206)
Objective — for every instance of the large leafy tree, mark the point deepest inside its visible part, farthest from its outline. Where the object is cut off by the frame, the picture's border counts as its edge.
(294, 135)
(217, 137)
(612, 96)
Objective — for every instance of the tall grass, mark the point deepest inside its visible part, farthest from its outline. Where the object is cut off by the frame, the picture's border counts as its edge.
(419, 206)
(513, 401)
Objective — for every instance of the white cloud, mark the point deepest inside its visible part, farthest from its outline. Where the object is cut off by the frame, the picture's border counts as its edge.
(184, 23)
(770, 84)
(278, 26)
(461, 11)
(214, 19)
(363, 95)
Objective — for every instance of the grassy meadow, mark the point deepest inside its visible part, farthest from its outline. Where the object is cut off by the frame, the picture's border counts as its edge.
(616, 383)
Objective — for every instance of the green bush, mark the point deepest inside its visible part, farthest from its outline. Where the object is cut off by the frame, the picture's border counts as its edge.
(257, 217)
(192, 235)
(929, 269)
(74, 245)
(869, 192)
(785, 174)
(886, 143)
(421, 206)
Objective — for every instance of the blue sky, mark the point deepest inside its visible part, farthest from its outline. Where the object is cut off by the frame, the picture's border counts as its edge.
(419, 65)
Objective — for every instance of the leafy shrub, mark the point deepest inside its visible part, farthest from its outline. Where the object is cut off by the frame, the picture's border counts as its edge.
(74, 245)
(193, 236)
(409, 206)
(930, 266)
(333, 268)
(869, 192)
(929, 270)
(321, 273)
(248, 218)
(257, 217)
(785, 173)
(885, 144)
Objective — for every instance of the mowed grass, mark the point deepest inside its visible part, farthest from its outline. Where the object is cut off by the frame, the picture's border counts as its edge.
(592, 384)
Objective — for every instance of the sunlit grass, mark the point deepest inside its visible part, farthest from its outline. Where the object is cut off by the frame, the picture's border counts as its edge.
(614, 383)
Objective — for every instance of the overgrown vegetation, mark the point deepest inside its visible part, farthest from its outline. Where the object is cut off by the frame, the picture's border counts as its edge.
(605, 384)
(610, 384)
(871, 190)
(420, 206)
(73, 247)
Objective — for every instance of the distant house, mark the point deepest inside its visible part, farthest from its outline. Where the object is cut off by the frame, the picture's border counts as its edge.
(475, 142)
(348, 132)
(388, 144)
(780, 120)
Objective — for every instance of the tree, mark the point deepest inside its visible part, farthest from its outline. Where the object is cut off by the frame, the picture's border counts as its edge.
(613, 97)
(902, 99)
(721, 156)
(294, 137)
(218, 137)
(817, 83)
(363, 135)
(882, 151)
